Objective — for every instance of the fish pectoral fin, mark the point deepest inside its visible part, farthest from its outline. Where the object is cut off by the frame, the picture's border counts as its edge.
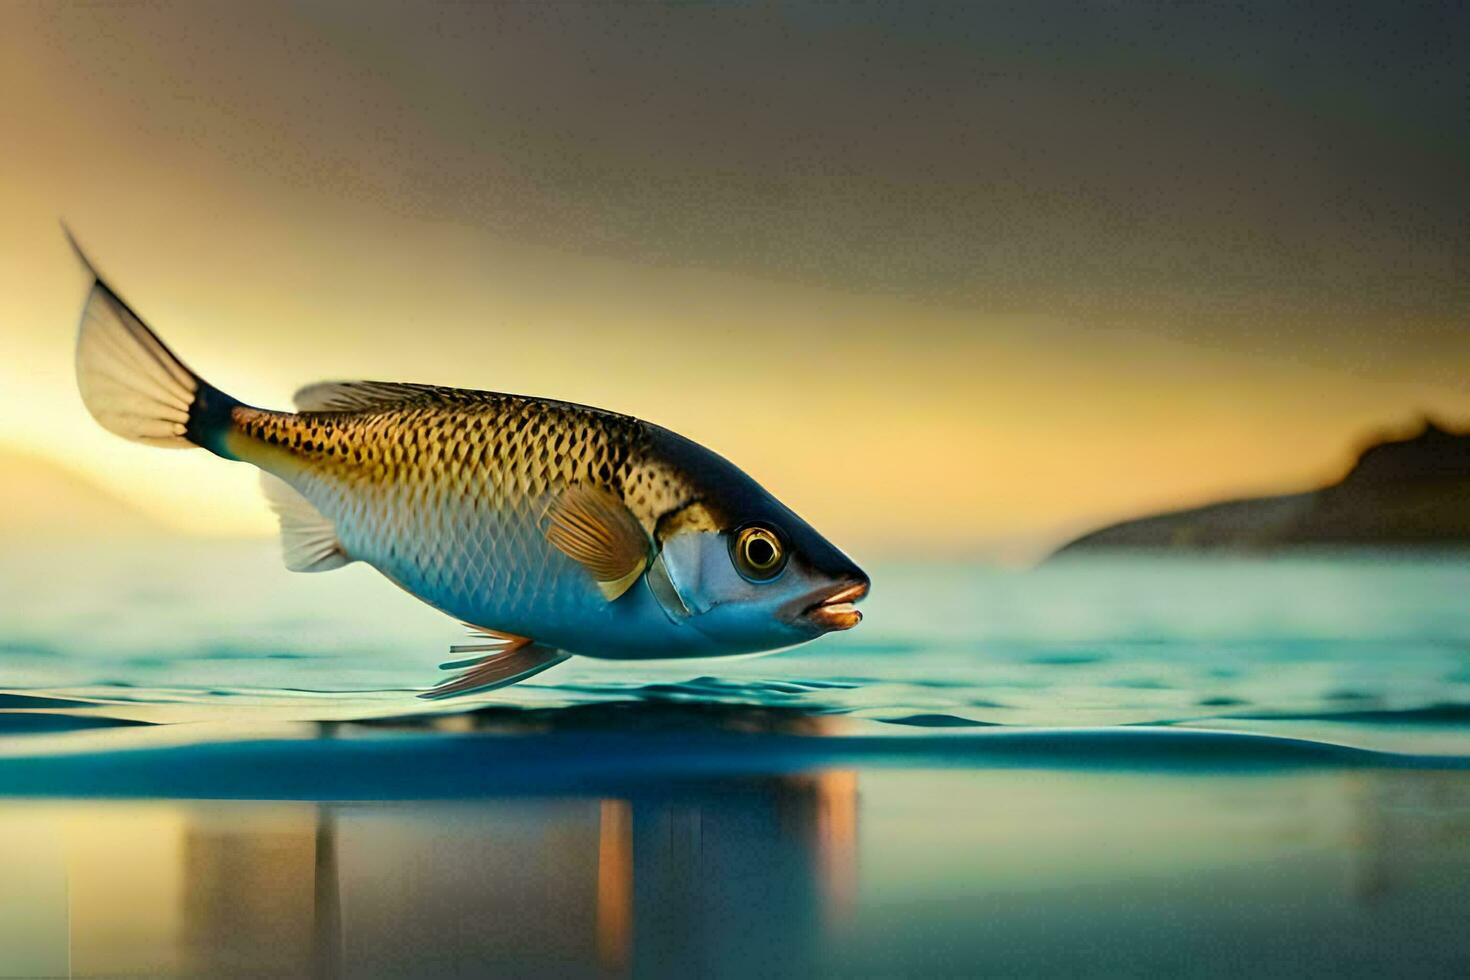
(595, 529)
(308, 539)
(514, 658)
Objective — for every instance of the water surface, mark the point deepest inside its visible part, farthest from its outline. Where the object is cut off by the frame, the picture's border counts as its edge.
(210, 767)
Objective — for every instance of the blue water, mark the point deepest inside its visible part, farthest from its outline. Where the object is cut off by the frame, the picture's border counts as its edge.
(212, 767)
(187, 627)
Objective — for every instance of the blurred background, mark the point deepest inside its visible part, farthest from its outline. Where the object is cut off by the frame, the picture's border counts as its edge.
(959, 280)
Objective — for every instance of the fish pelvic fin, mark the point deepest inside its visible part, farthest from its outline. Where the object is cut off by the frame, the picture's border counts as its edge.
(510, 659)
(308, 538)
(134, 385)
(596, 530)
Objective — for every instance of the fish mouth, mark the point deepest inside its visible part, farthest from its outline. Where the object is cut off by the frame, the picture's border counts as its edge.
(837, 610)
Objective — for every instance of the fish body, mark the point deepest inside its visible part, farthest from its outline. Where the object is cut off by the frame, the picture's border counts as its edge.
(552, 528)
(446, 492)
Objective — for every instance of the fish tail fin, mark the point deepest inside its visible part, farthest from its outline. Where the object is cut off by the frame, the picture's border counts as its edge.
(137, 388)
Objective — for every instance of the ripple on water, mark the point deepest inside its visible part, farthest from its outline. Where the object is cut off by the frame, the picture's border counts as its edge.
(713, 688)
(1447, 713)
(1065, 659)
(617, 748)
(938, 721)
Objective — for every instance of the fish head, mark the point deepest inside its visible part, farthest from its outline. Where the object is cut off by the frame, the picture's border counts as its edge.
(742, 568)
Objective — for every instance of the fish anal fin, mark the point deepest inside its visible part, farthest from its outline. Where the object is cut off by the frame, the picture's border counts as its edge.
(358, 396)
(308, 539)
(595, 529)
(502, 668)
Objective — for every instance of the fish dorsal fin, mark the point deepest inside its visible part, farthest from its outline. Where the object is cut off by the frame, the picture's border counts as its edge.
(595, 529)
(358, 396)
(308, 540)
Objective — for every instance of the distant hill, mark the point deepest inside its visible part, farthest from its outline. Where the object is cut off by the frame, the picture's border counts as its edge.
(39, 499)
(1403, 493)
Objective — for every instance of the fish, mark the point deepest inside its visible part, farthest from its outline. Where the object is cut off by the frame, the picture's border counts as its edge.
(549, 529)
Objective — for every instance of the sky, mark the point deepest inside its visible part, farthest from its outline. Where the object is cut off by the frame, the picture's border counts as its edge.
(948, 279)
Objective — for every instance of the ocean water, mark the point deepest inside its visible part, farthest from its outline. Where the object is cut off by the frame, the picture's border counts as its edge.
(1125, 767)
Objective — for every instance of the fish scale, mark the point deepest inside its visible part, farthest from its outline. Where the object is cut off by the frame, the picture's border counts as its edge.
(446, 494)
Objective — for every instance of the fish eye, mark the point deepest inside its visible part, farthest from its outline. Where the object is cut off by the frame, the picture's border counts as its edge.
(758, 553)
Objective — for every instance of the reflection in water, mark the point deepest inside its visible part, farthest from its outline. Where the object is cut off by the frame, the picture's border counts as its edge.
(755, 880)
(615, 886)
(327, 899)
(835, 831)
(738, 883)
(125, 882)
(249, 898)
(1401, 826)
(964, 873)
(667, 884)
